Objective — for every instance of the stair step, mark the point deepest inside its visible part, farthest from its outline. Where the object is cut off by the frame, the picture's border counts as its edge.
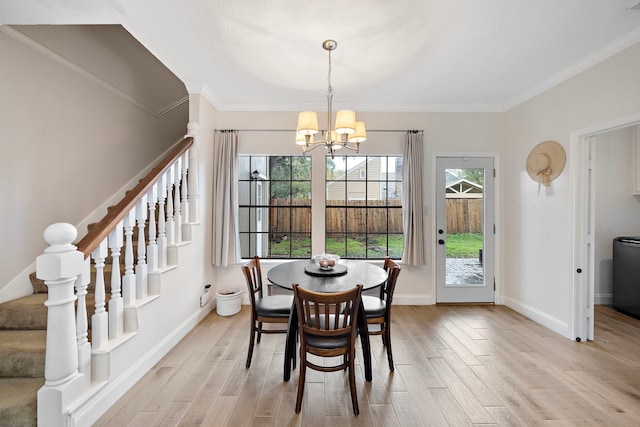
(18, 401)
(24, 313)
(40, 288)
(38, 285)
(22, 353)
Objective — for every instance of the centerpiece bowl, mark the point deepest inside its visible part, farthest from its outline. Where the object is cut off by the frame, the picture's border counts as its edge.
(326, 261)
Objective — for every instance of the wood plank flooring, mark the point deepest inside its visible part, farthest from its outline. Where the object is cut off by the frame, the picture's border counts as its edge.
(455, 366)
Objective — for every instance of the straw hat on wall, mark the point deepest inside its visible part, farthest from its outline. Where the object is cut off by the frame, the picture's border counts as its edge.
(545, 162)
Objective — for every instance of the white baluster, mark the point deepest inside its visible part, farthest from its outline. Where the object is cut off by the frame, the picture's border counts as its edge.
(184, 205)
(100, 319)
(152, 249)
(170, 227)
(116, 308)
(177, 216)
(162, 236)
(129, 279)
(59, 267)
(141, 265)
(194, 207)
(82, 333)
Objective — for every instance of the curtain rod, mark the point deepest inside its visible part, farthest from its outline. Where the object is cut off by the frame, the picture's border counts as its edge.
(293, 130)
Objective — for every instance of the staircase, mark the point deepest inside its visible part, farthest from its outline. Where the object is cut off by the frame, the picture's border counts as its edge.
(84, 362)
(23, 325)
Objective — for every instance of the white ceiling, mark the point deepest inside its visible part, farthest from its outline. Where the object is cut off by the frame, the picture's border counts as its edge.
(402, 55)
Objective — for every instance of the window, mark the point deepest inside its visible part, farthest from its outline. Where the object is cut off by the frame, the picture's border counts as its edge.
(275, 206)
(364, 206)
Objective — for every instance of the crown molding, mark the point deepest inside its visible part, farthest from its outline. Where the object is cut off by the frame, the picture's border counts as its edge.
(88, 75)
(606, 52)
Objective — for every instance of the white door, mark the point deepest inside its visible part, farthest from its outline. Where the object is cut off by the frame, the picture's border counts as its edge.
(585, 221)
(464, 229)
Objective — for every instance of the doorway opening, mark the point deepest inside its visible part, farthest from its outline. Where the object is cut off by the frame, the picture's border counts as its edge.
(594, 150)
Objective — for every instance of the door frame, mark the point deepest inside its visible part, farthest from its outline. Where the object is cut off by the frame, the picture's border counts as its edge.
(582, 213)
(497, 217)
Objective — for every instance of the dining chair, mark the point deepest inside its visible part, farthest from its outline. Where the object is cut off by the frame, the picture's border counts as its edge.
(264, 308)
(327, 323)
(378, 309)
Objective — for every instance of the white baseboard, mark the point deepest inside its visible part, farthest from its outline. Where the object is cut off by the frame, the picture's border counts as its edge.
(98, 404)
(603, 299)
(538, 316)
(20, 286)
(409, 299)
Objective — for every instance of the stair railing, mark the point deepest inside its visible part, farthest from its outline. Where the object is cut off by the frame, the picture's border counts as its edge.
(73, 365)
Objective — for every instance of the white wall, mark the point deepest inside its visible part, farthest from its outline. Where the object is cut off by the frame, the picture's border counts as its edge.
(68, 145)
(617, 211)
(462, 133)
(202, 113)
(534, 228)
(537, 245)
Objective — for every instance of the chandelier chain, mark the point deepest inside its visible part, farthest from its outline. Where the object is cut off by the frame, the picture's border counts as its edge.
(330, 90)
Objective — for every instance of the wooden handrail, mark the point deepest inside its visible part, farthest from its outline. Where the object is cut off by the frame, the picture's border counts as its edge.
(102, 229)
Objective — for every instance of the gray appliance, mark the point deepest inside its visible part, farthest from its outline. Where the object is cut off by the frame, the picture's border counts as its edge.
(626, 275)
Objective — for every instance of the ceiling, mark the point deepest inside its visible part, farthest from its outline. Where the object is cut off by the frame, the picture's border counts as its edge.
(400, 56)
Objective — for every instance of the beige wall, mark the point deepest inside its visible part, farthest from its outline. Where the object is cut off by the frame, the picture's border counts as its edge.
(537, 239)
(205, 116)
(78, 121)
(67, 146)
(534, 229)
(462, 133)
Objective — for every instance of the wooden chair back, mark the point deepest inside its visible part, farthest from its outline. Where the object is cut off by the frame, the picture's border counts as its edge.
(253, 276)
(327, 314)
(386, 290)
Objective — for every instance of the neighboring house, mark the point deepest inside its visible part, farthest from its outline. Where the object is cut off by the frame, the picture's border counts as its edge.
(463, 189)
(379, 178)
(356, 175)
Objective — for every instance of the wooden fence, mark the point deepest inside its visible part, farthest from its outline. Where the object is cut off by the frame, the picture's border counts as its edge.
(385, 219)
(464, 215)
(338, 220)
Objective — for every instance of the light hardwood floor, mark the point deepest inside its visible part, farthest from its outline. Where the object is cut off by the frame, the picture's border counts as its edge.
(455, 366)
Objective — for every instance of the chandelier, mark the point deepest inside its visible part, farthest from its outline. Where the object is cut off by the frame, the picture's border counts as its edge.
(348, 133)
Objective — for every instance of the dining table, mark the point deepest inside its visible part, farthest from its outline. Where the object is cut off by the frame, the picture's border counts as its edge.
(345, 275)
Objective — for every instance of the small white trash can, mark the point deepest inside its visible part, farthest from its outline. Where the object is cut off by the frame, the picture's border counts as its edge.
(228, 301)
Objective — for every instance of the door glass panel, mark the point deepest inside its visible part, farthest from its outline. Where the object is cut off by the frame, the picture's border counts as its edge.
(464, 214)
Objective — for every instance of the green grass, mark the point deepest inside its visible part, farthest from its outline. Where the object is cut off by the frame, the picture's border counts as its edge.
(300, 248)
(356, 248)
(464, 245)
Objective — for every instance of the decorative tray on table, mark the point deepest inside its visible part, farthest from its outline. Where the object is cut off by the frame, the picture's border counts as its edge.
(325, 265)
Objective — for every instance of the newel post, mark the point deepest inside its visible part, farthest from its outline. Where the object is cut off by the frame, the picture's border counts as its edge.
(59, 267)
(194, 196)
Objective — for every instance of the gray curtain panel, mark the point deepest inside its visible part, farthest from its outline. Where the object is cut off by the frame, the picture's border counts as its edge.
(412, 206)
(226, 239)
